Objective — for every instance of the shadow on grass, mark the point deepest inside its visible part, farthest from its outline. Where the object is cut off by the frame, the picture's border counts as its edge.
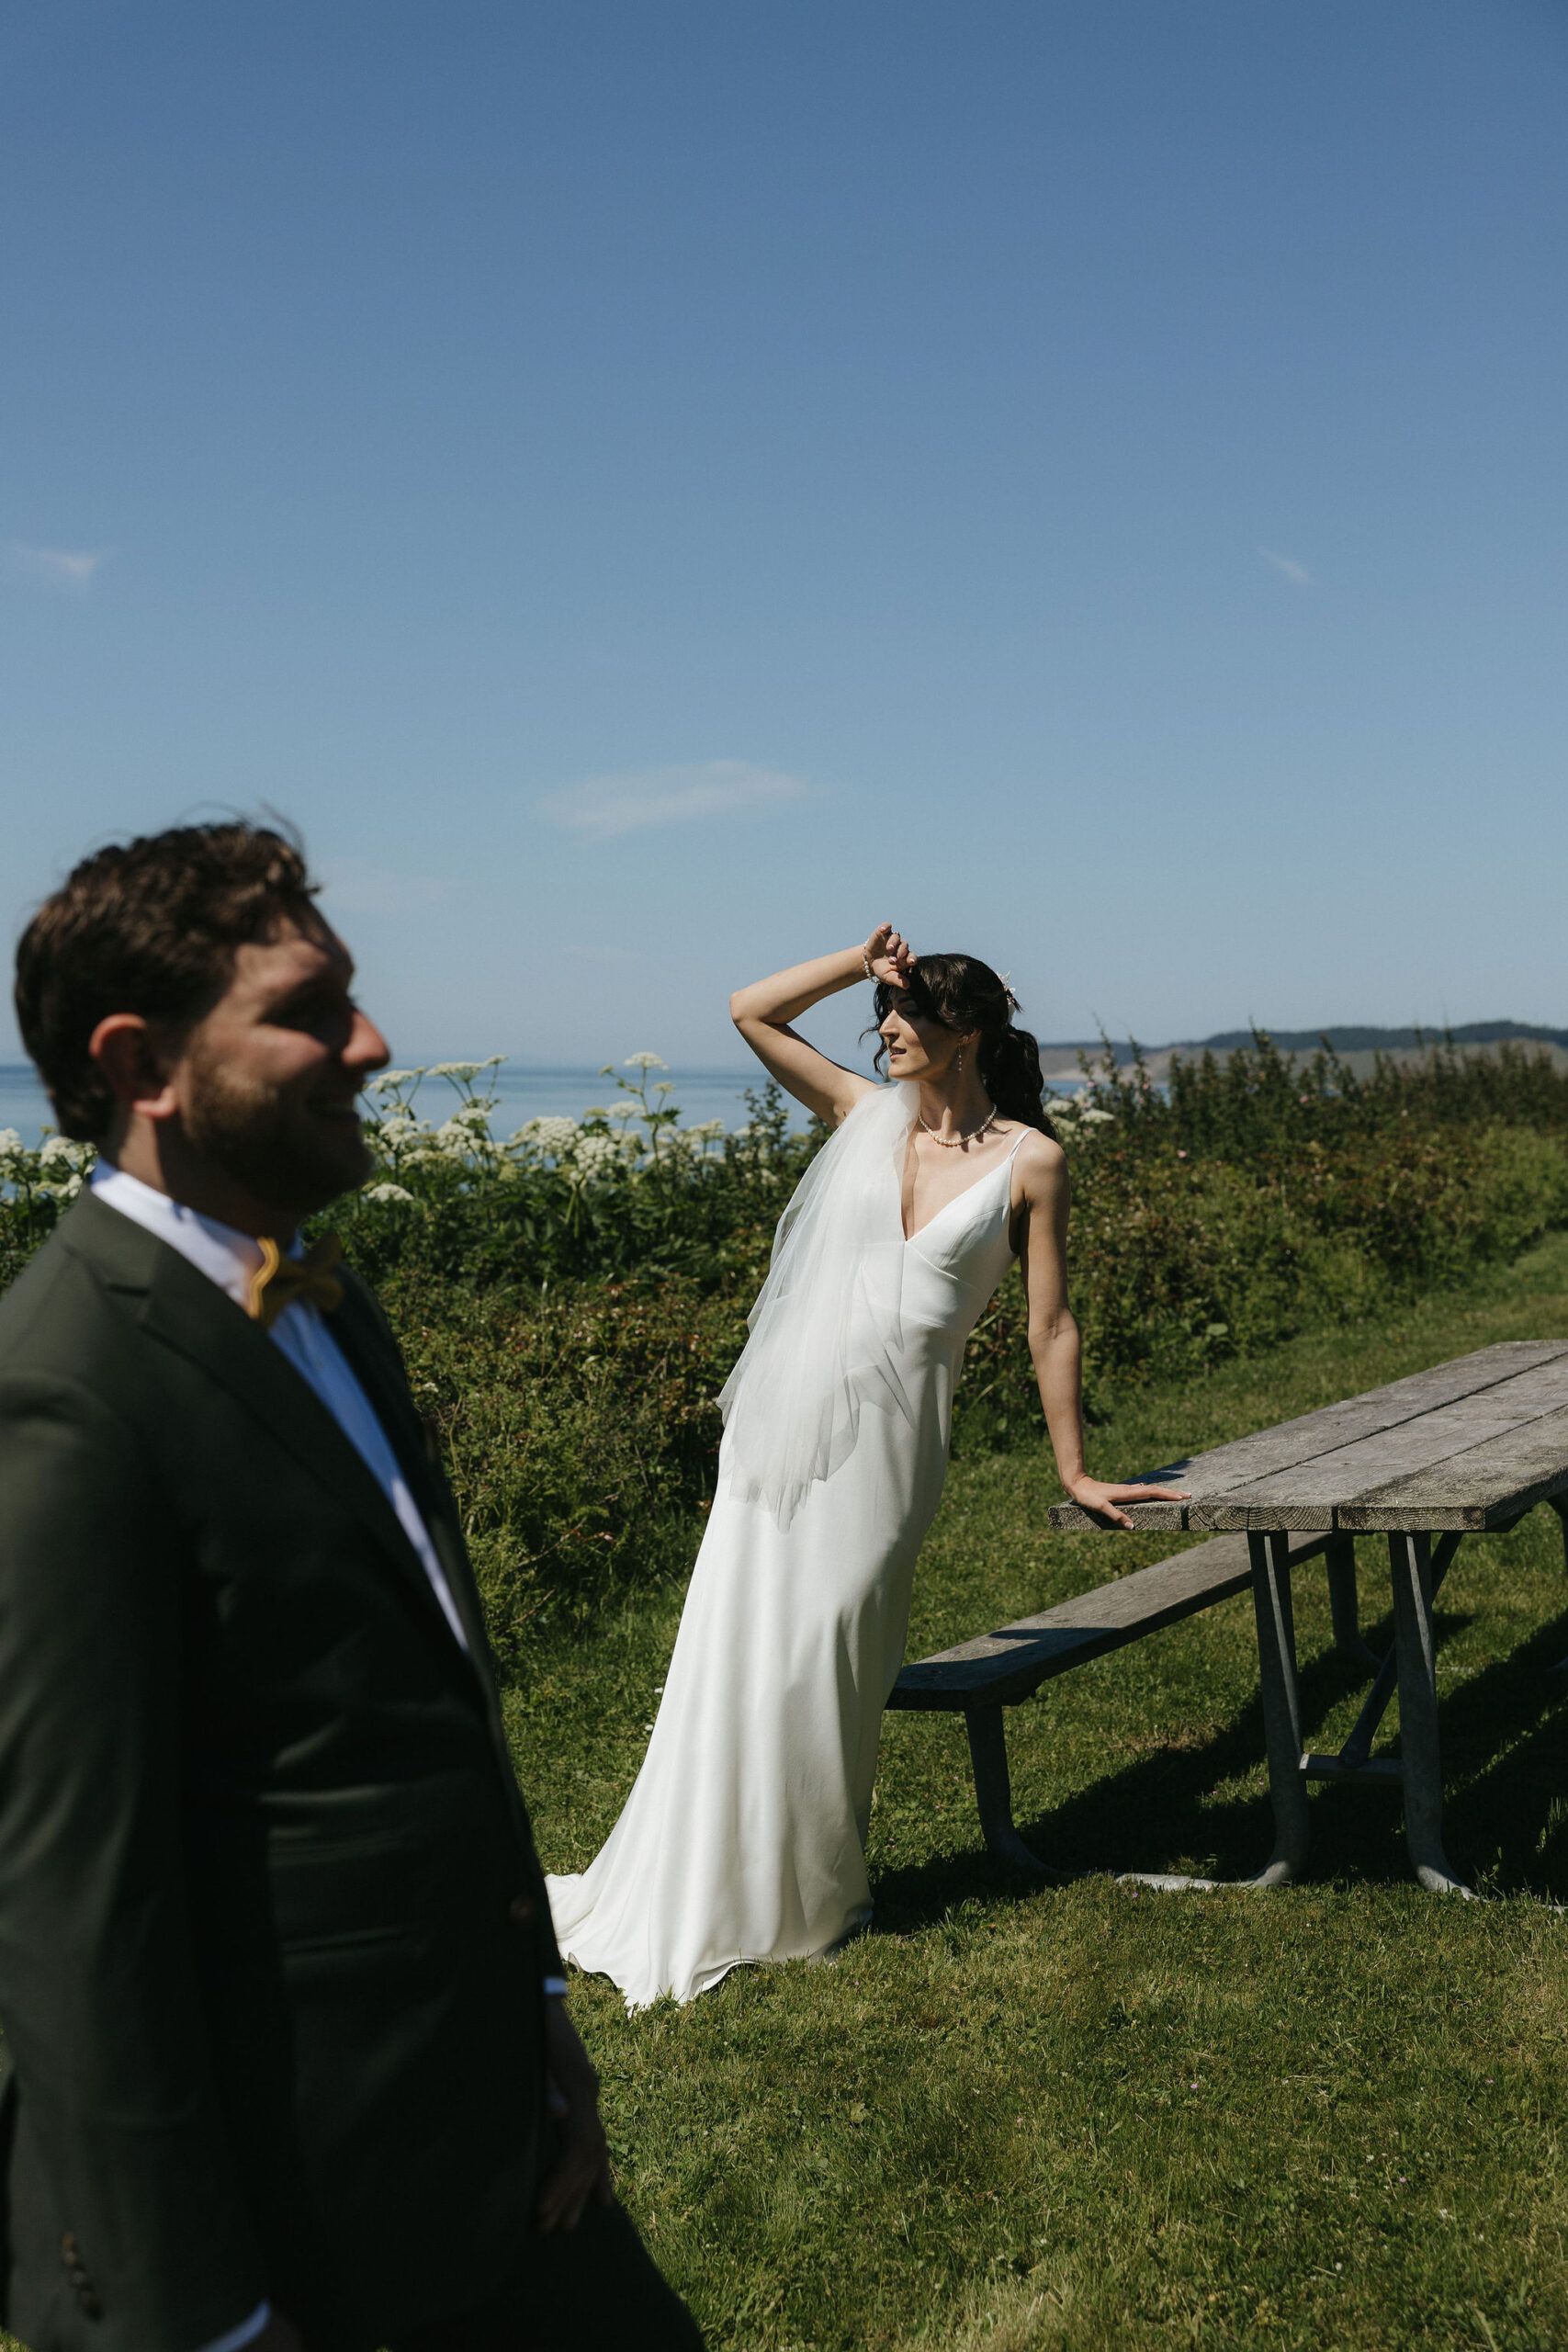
(1504, 1775)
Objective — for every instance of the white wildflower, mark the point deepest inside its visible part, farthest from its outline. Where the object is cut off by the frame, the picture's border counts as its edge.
(1098, 1118)
(622, 1110)
(10, 1142)
(386, 1080)
(457, 1069)
(386, 1192)
(594, 1155)
(645, 1061)
(554, 1134)
(708, 1132)
(456, 1139)
(597, 1111)
(664, 1087)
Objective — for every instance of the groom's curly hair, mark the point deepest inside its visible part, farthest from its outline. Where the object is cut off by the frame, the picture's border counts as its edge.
(960, 993)
(149, 926)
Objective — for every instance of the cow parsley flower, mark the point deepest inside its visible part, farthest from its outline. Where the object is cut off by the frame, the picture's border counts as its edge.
(59, 1151)
(594, 1155)
(645, 1061)
(554, 1134)
(386, 1192)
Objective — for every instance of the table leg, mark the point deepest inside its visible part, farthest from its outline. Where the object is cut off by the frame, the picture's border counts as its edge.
(1410, 1562)
(1270, 1557)
(1282, 1708)
(1339, 1557)
(1353, 1761)
(993, 1790)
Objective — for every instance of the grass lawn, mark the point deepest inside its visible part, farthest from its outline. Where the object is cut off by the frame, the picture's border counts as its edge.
(1328, 2116)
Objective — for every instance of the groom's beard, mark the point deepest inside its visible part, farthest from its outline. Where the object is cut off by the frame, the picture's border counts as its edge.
(298, 1150)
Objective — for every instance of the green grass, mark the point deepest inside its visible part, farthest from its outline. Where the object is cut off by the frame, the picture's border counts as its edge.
(1096, 2115)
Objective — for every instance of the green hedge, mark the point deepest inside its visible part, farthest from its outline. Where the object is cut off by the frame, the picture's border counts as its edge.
(571, 1299)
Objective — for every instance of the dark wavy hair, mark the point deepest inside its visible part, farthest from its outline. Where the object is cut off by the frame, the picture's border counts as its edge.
(961, 993)
(149, 926)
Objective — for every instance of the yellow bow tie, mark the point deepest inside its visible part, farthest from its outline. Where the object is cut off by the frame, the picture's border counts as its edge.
(279, 1281)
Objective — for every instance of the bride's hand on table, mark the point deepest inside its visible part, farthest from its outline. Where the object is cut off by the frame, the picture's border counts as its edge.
(1097, 1495)
(889, 955)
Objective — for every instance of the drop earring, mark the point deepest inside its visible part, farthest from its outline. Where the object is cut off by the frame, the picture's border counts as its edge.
(960, 1061)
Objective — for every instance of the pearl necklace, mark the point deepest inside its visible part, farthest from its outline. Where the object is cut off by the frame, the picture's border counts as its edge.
(956, 1143)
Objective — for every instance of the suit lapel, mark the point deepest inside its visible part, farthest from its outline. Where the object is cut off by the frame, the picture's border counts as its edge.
(372, 1356)
(180, 1306)
(372, 1359)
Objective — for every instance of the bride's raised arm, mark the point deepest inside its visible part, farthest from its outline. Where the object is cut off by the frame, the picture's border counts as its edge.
(763, 1012)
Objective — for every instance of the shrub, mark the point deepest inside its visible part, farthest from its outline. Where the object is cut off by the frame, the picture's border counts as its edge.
(570, 1299)
(581, 1428)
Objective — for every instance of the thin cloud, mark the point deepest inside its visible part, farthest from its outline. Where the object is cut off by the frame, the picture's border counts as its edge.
(350, 886)
(52, 567)
(604, 806)
(1287, 566)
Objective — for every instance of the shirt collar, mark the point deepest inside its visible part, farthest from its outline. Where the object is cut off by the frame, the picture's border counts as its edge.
(226, 1256)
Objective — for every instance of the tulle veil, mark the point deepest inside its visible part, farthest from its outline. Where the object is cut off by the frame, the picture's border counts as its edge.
(825, 1331)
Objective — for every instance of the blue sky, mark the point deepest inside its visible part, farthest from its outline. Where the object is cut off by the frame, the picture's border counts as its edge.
(653, 490)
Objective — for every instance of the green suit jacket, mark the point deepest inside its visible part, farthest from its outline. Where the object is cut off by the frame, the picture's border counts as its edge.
(273, 1932)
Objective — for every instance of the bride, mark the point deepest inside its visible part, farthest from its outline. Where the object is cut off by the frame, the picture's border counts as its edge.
(743, 1838)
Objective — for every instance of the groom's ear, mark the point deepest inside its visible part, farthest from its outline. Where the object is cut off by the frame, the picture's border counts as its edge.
(136, 1065)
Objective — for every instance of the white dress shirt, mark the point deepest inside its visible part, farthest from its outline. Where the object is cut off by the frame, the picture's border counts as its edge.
(231, 1259)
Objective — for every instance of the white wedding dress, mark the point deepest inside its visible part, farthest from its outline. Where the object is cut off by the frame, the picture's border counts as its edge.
(743, 1838)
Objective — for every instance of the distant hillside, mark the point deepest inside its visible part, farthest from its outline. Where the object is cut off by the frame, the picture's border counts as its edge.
(1384, 1041)
(1359, 1047)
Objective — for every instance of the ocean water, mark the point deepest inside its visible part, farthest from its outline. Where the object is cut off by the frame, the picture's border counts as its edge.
(524, 1094)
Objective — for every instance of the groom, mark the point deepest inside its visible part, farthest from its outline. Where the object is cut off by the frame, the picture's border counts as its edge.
(287, 2063)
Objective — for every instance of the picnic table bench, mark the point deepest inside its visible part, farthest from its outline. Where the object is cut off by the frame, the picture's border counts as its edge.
(979, 1678)
(1468, 1446)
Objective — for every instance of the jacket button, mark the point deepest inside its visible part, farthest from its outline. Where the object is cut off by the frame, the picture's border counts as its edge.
(520, 1910)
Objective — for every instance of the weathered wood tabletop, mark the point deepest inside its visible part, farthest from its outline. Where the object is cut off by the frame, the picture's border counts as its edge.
(1468, 1446)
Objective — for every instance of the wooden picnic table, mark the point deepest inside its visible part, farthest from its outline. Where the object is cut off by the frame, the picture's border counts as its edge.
(1468, 1447)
